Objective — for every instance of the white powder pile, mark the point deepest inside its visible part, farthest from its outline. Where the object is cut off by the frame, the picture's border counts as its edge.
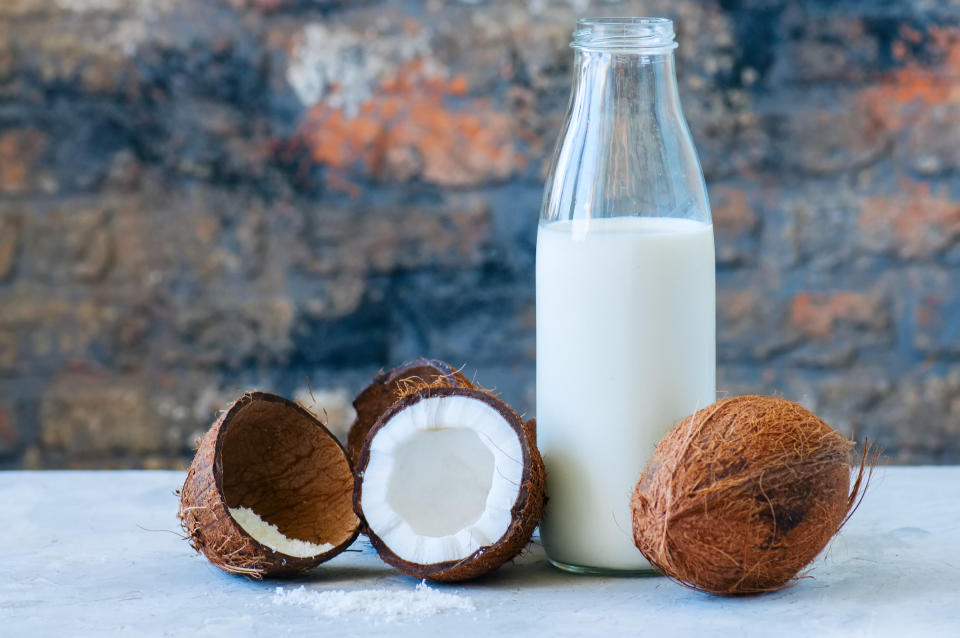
(384, 604)
(267, 534)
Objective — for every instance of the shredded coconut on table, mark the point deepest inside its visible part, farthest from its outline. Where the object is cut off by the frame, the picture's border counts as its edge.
(383, 603)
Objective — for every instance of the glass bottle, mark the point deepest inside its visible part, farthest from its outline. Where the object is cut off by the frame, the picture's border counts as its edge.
(626, 343)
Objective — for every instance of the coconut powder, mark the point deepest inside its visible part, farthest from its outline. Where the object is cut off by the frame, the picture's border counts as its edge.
(385, 604)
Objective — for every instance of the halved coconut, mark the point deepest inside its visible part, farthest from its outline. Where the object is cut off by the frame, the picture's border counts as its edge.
(269, 491)
(387, 387)
(449, 483)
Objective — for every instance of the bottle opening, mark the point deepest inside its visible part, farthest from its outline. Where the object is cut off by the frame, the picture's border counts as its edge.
(648, 34)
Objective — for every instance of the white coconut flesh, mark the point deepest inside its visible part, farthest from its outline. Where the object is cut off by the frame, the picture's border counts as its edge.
(442, 477)
(270, 535)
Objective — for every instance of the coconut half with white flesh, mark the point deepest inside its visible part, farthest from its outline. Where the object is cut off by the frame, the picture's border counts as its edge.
(270, 490)
(449, 483)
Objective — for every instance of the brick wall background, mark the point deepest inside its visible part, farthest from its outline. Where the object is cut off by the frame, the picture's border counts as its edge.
(201, 198)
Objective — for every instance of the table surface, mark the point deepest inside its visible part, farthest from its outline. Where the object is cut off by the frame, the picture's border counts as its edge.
(98, 553)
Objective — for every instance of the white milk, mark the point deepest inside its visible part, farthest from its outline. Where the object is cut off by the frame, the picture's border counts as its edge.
(625, 349)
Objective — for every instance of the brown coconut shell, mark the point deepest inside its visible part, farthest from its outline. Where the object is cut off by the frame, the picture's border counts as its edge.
(275, 457)
(743, 494)
(525, 513)
(390, 385)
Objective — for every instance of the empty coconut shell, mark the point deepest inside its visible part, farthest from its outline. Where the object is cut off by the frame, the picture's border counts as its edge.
(387, 387)
(743, 494)
(272, 461)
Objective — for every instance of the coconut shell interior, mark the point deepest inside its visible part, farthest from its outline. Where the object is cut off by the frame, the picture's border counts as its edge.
(277, 462)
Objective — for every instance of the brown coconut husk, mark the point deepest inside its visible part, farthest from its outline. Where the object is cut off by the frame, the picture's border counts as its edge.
(277, 458)
(390, 385)
(525, 513)
(742, 495)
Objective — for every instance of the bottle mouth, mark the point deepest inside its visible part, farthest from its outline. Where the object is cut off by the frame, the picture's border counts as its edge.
(647, 34)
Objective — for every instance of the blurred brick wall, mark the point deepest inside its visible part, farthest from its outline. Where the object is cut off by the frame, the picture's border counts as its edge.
(198, 198)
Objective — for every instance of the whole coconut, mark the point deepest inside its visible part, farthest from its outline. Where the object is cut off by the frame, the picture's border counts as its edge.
(743, 494)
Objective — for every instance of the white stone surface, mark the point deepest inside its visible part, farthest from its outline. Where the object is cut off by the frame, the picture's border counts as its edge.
(98, 554)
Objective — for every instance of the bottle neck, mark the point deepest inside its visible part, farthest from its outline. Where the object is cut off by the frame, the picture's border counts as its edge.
(632, 83)
(625, 147)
